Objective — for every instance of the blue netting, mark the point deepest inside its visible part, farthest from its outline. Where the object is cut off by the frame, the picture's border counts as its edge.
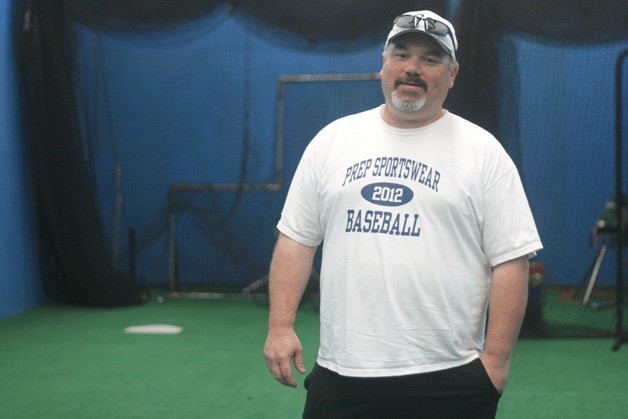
(199, 105)
(180, 115)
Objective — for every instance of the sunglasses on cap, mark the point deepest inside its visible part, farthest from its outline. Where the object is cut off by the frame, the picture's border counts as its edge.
(430, 25)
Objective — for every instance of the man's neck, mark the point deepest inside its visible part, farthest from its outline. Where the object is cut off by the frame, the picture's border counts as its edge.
(408, 120)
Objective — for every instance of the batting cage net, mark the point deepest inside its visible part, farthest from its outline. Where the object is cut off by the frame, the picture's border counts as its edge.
(165, 134)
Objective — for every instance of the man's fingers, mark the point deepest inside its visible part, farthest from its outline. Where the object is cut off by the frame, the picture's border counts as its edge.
(298, 362)
(281, 371)
(274, 370)
(286, 373)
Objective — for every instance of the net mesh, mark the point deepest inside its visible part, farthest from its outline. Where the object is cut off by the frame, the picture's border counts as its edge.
(191, 130)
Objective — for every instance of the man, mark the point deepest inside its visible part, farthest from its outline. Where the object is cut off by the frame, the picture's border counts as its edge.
(426, 225)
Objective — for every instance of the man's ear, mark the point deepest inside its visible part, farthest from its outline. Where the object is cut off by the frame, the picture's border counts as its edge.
(453, 74)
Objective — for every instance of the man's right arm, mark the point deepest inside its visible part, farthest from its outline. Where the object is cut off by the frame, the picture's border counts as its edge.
(290, 271)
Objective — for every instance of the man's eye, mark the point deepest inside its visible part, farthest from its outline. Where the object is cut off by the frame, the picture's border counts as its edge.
(432, 60)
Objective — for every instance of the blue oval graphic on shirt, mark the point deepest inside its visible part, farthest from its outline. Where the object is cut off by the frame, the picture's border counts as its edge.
(387, 194)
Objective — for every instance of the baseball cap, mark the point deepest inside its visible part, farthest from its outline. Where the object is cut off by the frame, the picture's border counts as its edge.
(429, 23)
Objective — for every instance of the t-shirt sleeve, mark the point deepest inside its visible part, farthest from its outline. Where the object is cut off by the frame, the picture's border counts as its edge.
(300, 218)
(508, 230)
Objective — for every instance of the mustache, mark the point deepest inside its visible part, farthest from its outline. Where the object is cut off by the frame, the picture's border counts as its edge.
(413, 81)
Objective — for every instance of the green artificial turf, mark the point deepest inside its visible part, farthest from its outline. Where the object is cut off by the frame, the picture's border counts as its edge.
(68, 362)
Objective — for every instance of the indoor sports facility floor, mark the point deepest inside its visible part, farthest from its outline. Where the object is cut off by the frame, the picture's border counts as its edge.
(69, 362)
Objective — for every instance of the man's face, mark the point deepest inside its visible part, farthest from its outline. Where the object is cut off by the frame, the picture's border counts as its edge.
(416, 77)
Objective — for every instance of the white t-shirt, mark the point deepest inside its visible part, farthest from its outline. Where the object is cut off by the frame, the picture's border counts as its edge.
(413, 220)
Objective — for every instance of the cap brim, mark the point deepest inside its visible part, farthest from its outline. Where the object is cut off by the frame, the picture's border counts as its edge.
(440, 43)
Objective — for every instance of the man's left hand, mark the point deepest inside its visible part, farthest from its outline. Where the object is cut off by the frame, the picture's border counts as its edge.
(497, 370)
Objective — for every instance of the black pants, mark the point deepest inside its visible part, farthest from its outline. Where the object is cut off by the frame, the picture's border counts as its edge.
(461, 392)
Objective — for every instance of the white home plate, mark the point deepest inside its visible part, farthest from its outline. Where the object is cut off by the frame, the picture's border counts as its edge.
(154, 329)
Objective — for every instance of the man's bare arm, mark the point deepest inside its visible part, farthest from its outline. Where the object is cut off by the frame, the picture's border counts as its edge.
(290, 271)
(509, 296)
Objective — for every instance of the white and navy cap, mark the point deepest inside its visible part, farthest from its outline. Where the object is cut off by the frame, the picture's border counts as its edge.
(428, 23)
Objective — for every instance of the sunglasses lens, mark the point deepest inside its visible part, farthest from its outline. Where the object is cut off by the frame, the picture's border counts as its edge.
(405, 21)
(437, 28)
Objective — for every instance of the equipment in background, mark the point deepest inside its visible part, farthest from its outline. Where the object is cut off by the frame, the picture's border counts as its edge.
(603, 234)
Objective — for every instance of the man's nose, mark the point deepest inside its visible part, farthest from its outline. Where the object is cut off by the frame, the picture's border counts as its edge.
(413, 67)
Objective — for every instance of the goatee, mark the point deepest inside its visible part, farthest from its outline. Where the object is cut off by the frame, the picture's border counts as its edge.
(408, 105)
